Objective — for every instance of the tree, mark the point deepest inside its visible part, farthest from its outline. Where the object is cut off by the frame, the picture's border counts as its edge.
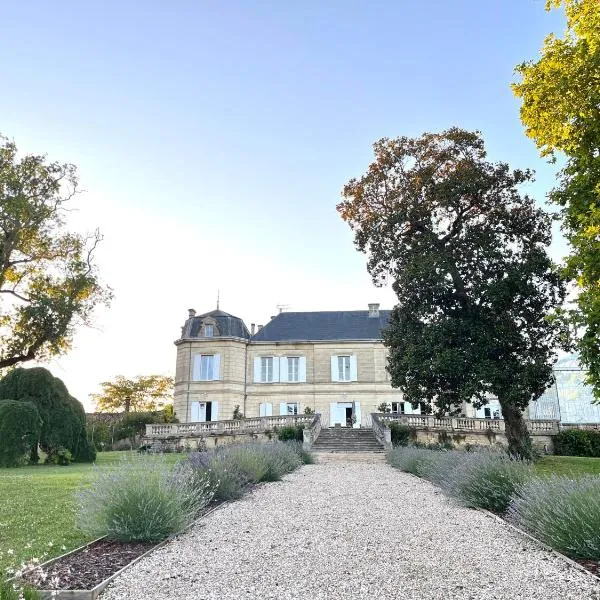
(48, 282)
(467, 255)
(63, 417)
(19, 431)
(143, 393)
(560, 110)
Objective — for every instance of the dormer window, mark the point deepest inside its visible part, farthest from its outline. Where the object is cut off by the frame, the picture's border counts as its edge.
(209, 331)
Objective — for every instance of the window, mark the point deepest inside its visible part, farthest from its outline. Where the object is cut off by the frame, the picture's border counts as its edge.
(207, 367)
(399, 407)
(266, 369)
(292, 408)
(293, 368)
(209, 330)
(343, 368)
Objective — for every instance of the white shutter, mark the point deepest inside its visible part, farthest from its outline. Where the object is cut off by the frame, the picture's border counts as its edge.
(357, 414)
(283, 408)
(302, 369)
(335, 376)
(216, 367)
(257, 369)
(262, 410)
(196, 368)
(214, 414)
(195, 416)
(268, 409)
(332, 413)
(283, 368)
(353, 369)
(275, 368)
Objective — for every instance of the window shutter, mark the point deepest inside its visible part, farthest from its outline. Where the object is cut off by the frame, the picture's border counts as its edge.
(283, 368)
(275, 368)
(268, 409)
(196, 367)
(217, 367)
(214, 414)
(257, 369)
(357, 414)
(353, 369)
(262, 412)
(283, 408)
(195, 417)
(334, 369)
(302, 369)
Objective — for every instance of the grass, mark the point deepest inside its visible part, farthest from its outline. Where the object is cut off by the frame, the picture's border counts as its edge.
(570, 466)
(37, 509)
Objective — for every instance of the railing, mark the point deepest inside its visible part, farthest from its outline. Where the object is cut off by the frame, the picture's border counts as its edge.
(311, 432)
(381, 430)
(252, 425)
(462, 423)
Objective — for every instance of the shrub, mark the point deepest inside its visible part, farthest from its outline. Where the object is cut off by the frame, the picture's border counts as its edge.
(442, 463)
(384, 407)
(309, 411)
(291, 433)
(133, 425)
(61, 457)
(142, 499)
(226, 481)
(577, 442)
(20, 426)
(238, 415)
(486, 480)
(417, 461)
(14, 591)
(401, 434)
(562, 512)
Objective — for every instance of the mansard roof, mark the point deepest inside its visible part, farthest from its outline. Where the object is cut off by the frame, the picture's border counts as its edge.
(323, 326)
(227, 325)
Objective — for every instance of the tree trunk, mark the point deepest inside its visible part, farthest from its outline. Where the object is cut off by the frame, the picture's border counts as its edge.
(127, 404)
(519, 442)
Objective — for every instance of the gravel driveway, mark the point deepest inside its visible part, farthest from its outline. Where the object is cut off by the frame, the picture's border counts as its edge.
(350, 529)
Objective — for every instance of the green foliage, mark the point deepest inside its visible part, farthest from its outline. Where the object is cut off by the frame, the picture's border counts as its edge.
(562, 512)
(384, 407)
(47, 276)
(418, 461)
(15, 591)
(401, 434)
(560, 99)
(290, 433)
(142, 393)
(61, 457)
(577, 442)
(63, 417)
(141, 500)
(309, 411)
(133, 425)
(20, 426)
(238, 415)
(467, 255)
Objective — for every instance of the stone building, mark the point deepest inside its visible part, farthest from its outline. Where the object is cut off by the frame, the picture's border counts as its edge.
(331, 362)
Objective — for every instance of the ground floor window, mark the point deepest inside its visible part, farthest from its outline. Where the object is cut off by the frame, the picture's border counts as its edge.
(398, 407)
(288, 408)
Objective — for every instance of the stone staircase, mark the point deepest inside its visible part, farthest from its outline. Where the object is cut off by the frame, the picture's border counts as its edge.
(346, 439)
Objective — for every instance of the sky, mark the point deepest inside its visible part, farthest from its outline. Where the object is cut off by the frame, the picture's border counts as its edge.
(213, 139)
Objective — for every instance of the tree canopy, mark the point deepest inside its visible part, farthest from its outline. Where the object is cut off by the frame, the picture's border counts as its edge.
(142, 393)
(48, 280)
(467, 256)
(19, 431)
(560, 110)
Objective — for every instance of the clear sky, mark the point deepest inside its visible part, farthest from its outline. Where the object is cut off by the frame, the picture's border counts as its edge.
(213, 139)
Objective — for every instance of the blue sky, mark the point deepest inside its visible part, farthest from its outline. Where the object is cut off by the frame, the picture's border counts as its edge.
(213, 140)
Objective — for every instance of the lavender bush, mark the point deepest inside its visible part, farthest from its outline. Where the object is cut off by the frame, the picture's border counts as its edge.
(142, 499)
(562, 512)
(409, 459)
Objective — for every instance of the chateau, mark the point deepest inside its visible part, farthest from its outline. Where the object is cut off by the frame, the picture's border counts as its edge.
(331, 362)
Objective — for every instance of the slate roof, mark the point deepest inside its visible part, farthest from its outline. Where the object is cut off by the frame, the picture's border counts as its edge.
(229, 326)
(323, 326)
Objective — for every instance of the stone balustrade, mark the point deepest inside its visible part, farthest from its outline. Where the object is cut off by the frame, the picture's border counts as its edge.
(252, 425)
(311, 432)
(381, 430)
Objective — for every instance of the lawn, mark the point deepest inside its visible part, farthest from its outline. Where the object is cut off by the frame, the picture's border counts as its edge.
(568, 465)
(37, 509)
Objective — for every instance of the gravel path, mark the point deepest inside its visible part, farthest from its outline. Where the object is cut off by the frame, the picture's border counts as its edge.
(350, 529)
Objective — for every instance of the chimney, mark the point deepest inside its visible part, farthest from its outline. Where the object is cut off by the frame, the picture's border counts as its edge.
(259, 328)
(191, 312)
(373, 311)
(252, 328)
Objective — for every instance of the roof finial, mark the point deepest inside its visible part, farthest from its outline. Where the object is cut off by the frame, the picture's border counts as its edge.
(218, 294)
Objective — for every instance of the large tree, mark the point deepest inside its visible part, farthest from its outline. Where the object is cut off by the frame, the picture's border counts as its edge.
(560, 110)
(48, 281)
(142, 393)
(467, 255)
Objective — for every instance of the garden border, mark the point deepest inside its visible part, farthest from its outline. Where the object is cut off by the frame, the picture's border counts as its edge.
(92, 594)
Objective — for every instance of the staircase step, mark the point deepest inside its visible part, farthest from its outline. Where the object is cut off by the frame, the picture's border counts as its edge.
(338, 439)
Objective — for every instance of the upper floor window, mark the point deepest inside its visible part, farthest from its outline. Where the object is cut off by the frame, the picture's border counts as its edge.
(206, 367)
(209, 331)
(266, 369)
(344, 368)
(293, 368)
